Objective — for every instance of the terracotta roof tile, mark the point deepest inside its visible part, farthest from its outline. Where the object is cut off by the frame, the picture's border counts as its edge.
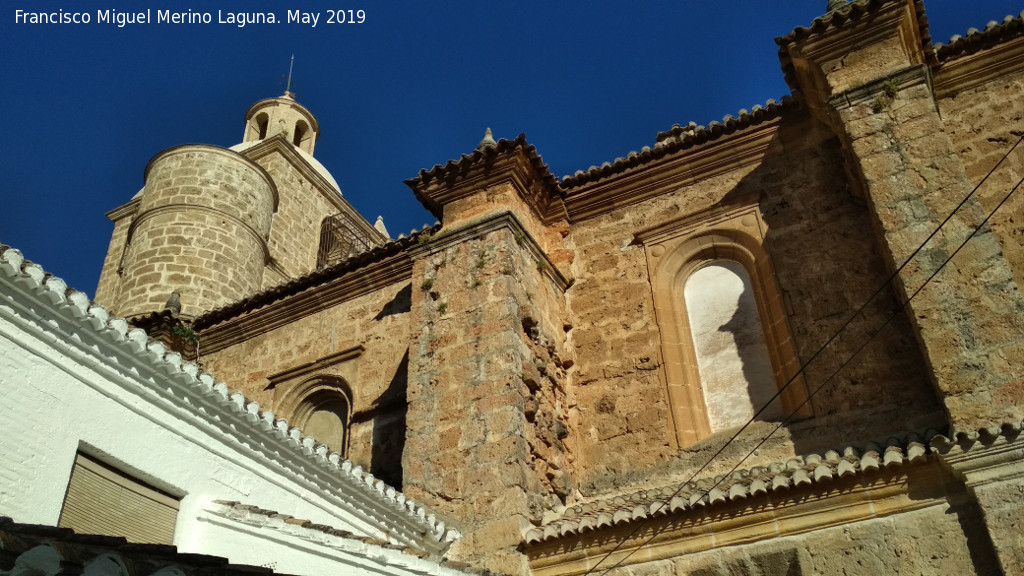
(274, 433)
(752, 482)
(313, 278)
(453, 168)
(680, 138)
(976, 40)
(851, 13)
(965, 441)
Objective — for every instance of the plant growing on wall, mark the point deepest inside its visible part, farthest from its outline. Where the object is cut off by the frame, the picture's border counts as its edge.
(187, 334)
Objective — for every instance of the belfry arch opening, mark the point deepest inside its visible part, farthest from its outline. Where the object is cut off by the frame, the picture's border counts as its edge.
(301, 130)
(258, 127)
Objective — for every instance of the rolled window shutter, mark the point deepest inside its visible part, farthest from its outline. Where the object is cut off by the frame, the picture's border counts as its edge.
(101, 500)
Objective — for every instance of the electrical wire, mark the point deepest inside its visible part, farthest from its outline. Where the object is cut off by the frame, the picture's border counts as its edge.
(818, 352)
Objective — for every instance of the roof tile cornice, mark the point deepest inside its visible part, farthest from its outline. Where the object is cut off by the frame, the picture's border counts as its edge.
(314, 278)
(233, 411)
(680, 138)
(852, 12)
(965, 442)
(797, 472)
(372, 549)
(453, 169)
(844, 17)
(977, 40)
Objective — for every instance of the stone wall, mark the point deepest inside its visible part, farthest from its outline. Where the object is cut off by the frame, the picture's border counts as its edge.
(984, 122)
(377, 321)
(110, 277)
(201, 229)
(936, 540)
(817, 235)
(487, 387)
(295, 234)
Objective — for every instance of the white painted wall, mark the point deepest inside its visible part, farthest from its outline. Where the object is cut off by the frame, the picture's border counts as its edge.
(291, 549)
(67, 383)
(732, 357)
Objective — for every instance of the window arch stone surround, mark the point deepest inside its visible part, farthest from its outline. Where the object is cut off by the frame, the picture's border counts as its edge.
(677, 249)
(312, 401)
(305, 395)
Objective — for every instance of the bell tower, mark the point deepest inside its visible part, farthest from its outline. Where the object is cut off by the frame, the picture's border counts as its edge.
(282, 116)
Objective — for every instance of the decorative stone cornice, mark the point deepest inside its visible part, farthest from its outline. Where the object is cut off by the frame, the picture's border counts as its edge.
(988, 455)
(384, 259)
(483, 226)
(865, 93)
(890, 33)
(309, 298)
(127, 209)
(681, 160)
(679, 138)
(507, 160)
(149, 369)
(709, 219)
(854, 25)
(982, 65)
(227, 154)
(315, 366)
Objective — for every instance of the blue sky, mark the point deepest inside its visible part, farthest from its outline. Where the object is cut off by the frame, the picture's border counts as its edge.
(86, 106)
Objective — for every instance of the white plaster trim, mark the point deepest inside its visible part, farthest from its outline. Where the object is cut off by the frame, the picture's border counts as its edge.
(320, 541)
(795, 473)
(127, 357)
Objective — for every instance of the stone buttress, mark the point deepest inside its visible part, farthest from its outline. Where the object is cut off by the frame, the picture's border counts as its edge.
(864, 70)
(487, 370)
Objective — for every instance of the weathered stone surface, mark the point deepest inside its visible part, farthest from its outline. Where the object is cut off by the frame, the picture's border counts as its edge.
(201, 229)
(984, 123)
(520, 365)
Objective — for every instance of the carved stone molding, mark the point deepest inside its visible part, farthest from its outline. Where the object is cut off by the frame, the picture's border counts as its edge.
(678, 248)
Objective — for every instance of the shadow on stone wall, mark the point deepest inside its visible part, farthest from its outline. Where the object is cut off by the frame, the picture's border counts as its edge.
(827, 262)
(746, 327)
(401, 303)
(389, 428)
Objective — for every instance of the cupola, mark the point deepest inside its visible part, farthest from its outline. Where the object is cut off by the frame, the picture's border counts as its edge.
(282, 116)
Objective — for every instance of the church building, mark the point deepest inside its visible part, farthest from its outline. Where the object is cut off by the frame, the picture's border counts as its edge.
(787, 343)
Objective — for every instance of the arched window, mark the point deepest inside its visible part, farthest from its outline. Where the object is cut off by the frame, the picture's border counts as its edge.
(728, 338)
(256, 127)
(301, 128)
(262, 123)
(725, 340)
(321, 407)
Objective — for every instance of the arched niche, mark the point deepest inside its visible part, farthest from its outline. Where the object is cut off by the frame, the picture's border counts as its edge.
(677, 251)
(321, 407)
